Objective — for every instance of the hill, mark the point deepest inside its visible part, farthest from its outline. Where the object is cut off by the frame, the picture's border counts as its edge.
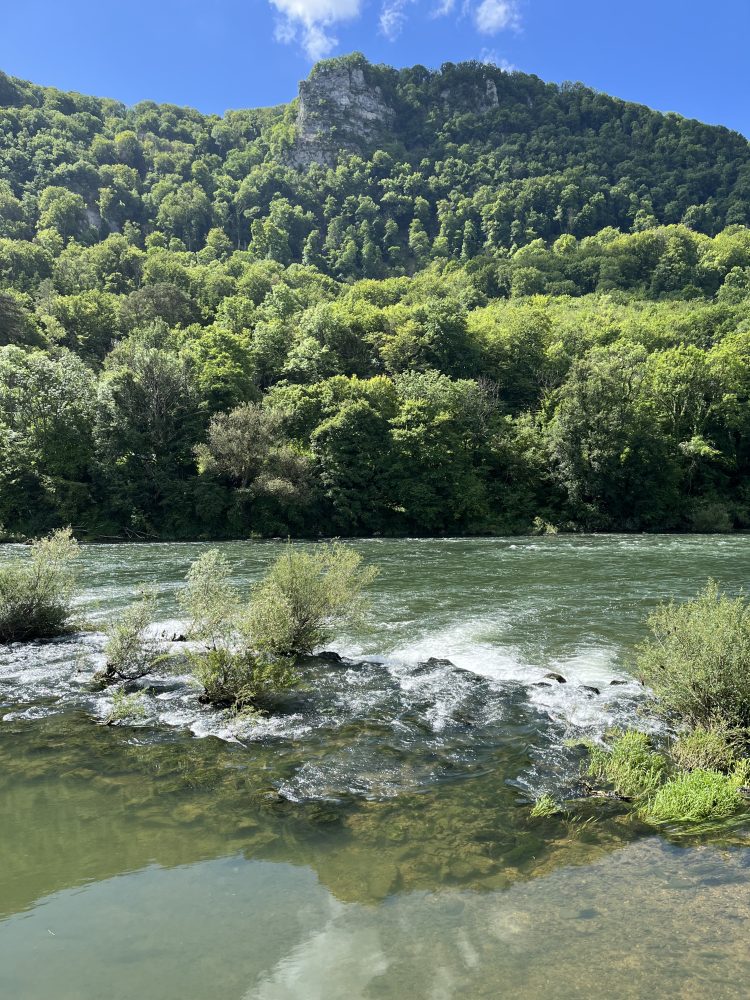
(408, 301)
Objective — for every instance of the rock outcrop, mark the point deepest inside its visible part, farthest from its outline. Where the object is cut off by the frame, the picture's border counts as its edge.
(348, 105)
(338, 109)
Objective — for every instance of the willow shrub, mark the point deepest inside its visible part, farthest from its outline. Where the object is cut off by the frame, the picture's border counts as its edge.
(36, 592)
(132, 650)
(697, 659)
(229, 671)
(306, 597)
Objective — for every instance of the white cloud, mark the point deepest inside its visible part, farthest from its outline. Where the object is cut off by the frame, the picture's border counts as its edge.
(491, 58)
(393, 18)
(443, 7)
(492, 16)
(308, 22)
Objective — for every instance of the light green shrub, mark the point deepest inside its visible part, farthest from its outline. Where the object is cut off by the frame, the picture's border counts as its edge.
(238, 679)
(131, 650)
(36, 593)
(127, 707)
(229, 671)
(705, 749)
(209, 600)
(305, 597)
(697, 660)
(630, 764)
(697, 796)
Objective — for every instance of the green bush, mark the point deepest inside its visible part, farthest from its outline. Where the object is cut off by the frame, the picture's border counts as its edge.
(630, 764)
(697, 660)
(305, 596)
(130, 651)
(209, 600)
(126, 707)
(705, 749)
(228, 670)
(238, 679)
(697, 796)
(36, 593)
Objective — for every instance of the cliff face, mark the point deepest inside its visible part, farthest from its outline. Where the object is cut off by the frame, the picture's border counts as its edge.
(341, 108)
(338, 109)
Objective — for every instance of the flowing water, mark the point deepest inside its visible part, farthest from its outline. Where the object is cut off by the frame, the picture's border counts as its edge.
(372, 838)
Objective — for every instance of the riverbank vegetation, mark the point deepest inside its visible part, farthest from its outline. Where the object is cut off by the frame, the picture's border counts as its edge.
(529, 313)
(697, 662)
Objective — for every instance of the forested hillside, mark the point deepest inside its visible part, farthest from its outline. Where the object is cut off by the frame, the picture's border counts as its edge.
(454, 302)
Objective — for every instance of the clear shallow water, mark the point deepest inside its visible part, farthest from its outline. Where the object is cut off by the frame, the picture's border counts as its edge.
(373, 837)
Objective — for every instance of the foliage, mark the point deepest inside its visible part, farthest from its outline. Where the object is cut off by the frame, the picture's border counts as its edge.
(126, 707)
(239, 679)
(697, 660)
(132, 650)
(704, 748)
(209, 599)
(697, 796)
(228, 670)
(544, 806)
(36, 593)
(305, 596)
(485, 316)
(629, 763)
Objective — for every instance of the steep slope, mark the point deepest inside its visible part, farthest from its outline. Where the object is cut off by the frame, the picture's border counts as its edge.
(466, 160)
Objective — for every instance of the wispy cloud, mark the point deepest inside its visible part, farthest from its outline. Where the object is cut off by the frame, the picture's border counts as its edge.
(308, 22)
(491, 58)
(393, 18)
(493, 16)
(311, 23)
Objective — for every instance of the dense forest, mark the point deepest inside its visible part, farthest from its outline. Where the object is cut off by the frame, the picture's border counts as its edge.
(503, 306)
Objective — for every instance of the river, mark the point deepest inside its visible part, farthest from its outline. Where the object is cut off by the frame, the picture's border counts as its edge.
(372, 838)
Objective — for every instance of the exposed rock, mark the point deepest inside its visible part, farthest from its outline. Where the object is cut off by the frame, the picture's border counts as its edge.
(435, 661)
(329, 654)
(590, 688)
(343, 108)
(552, 676)
(617, 683)
(338, 109)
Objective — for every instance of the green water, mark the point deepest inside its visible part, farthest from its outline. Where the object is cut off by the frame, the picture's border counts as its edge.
(371, 839)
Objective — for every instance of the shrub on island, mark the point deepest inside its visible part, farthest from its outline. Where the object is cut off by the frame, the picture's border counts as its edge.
(246, 653)
(37, 591)
(132, 650)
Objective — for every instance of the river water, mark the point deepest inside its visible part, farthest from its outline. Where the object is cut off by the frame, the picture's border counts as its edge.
(372, 838)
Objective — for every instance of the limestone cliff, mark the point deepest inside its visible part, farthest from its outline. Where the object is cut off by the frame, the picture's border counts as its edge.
(342, 106)
(338, 109)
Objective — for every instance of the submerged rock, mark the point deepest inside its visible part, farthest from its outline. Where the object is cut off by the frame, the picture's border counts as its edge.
(329, 654)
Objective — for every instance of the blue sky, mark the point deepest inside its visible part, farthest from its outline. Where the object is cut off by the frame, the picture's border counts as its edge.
(674, 55)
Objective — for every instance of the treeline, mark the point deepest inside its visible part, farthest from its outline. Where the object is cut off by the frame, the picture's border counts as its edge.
(187, 351)
(284, 402)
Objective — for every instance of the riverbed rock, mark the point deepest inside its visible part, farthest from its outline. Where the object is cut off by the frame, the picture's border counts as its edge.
(552, 676)
(330, 655)
(590, 688)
